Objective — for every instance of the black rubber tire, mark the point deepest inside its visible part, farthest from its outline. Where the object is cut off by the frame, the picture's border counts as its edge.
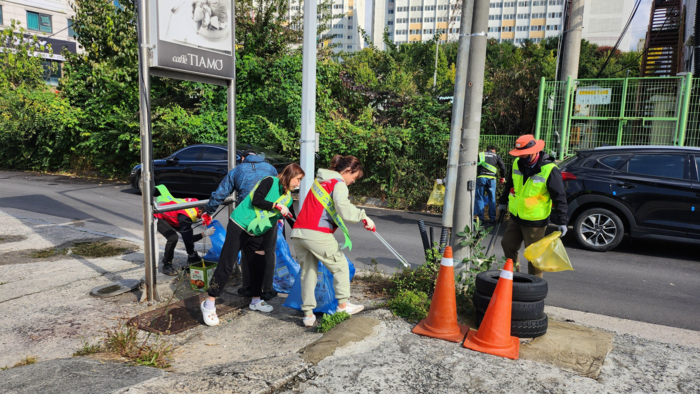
(520, 311)
(526, 288)
(523, 328)
(619, 235)
(139, 186)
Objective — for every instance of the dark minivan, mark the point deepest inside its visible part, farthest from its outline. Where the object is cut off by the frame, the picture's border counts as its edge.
(198, 169)
(639, 190)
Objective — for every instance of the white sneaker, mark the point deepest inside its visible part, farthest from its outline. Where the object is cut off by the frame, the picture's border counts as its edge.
(351, 308)
(309, 321)
(261, 306)
(209, 315)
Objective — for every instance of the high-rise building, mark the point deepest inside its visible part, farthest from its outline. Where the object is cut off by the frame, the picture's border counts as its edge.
(509, 20)
(51, 21)
(348, 15)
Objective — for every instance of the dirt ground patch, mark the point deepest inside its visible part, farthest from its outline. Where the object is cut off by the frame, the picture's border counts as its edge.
(103, 247)
(7, 238)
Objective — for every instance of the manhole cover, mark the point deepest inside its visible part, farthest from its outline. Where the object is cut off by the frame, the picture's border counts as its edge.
(114, 289)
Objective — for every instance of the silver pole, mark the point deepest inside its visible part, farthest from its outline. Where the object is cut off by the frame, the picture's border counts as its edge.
(572, 42)
(465, 28)
(150, 253)
(437, 43)
(231, 116)
(308, 99)
(471, 127)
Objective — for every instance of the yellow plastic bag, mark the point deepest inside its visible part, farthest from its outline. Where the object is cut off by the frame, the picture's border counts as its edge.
(437, 197)
(548, 254)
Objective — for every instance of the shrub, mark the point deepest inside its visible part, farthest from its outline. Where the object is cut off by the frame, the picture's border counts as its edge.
(410, 305)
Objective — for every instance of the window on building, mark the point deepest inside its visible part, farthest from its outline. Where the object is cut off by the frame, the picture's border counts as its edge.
(350, 18)
(427, 31)
(402, 20)
(522, 28)
(540, 15)
(51, 77)
(40, 22)
(494, 17)
(495, 29)
(415, 20)
(507, 28)
(337, 6)
(429, 8)
(442, 19)
(522, 4)
(390, 23)
(349, 46)
(553, 27)
(400, 31)
(414, 31)
(509, 4)
(536, 28)
(509, 16)
(554, 15)
(1, 15)
(556, 2)
(391, 11)
(454, 30)
(417, 8)
(430, 19)
(442, 7)
(455, 19)
(538, 3)
(338, 26)
(71, 32)
(401, 9)
(523, 16)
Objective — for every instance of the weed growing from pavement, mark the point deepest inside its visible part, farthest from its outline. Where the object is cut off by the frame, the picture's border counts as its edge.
(477, 261)
(327, 322)
(410, 305)
(97, 249)
(86, 349)
(46, 253)
(29, 360)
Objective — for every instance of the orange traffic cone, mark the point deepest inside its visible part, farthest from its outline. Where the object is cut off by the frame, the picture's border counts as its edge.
(441, 322)
(493, 336)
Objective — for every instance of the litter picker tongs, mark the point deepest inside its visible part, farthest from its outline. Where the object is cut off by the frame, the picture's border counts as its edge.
(392, 250)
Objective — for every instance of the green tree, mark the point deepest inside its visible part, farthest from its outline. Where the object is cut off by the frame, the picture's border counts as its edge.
(20, 66)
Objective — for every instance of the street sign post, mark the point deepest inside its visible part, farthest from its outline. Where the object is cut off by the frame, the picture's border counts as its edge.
(188, 40)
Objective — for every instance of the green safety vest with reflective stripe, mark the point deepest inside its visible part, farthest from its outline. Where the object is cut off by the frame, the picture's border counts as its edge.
(257, 221)
(483, 163)
(531, 200)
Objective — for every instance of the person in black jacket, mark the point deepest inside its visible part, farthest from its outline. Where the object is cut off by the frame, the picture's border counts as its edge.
(534, 194)
(489, 164)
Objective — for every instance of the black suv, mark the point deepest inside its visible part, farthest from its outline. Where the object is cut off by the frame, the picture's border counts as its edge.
(639, 190)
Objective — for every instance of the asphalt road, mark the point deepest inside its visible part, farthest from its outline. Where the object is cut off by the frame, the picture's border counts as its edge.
(645, 280)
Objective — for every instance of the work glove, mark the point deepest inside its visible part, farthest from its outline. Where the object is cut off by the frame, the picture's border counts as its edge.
(563, 230)
(502, 208)
(208, 232)
(502, 180)
(206, 218)
(369, 225)
(283, 210)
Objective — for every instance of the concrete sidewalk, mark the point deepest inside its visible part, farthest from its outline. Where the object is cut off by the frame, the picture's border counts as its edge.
(47, 313)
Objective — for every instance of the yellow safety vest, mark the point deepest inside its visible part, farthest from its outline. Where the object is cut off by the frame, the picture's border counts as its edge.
(531, 200)
(482, 162)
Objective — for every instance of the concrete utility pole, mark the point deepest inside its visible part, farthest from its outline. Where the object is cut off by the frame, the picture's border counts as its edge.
(150, 253)
(465, 29)
(471, 127)
(572, 42)
(308, 100)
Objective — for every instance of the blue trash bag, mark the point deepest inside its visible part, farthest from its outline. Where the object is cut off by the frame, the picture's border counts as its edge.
(217, 241)
(325, 294)
(286, 268)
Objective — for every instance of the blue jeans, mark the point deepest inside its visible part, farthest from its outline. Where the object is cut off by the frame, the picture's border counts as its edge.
(485, 194)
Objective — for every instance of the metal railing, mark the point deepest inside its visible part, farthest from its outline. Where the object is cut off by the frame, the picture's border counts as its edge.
(588, 113)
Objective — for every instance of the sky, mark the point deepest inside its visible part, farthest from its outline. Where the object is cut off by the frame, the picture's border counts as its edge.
(637, 29)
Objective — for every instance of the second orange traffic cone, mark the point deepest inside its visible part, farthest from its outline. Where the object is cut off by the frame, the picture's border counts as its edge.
(493, 336)
(441, 322)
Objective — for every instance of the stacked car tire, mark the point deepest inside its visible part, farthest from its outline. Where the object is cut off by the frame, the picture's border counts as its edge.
(528, 319)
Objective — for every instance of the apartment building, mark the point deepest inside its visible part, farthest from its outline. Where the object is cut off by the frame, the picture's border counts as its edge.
(50, 20)
(509, 20)
(348, 15)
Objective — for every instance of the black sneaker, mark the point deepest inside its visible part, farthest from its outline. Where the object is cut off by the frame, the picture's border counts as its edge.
(193, 258)
(245, 292)
(170, 270)
(268, 295)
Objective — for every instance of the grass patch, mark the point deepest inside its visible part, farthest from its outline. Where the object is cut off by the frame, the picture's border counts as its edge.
(410, 305)
(327, 322)
(3, 283)
(97, 249)
(46, 253)
(124, 341)
(29, 360)
(86, 349)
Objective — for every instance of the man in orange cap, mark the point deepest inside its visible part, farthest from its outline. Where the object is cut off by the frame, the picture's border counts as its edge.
(534, 194)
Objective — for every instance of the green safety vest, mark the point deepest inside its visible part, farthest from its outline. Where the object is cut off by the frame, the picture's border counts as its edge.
(257, 221)
(483, 163)
(531, 200)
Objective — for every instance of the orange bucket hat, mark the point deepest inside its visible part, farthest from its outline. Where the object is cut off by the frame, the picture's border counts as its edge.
(527, 145)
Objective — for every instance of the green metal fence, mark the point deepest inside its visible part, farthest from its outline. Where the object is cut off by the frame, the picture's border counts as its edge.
(587, 113)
